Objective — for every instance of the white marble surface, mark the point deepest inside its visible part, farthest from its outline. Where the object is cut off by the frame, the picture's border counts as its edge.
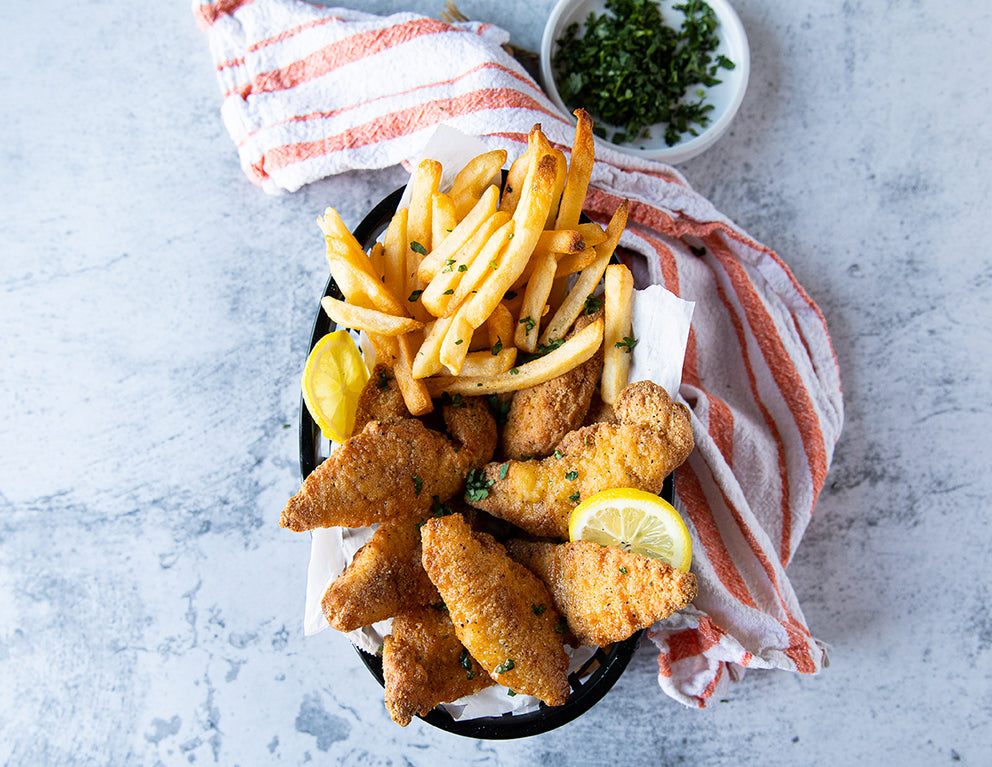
(155, 309)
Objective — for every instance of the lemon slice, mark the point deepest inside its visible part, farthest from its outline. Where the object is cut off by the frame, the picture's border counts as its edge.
(633, 520)
(333, 377)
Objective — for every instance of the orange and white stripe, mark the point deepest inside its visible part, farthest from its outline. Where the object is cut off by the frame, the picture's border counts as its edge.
(310, 91)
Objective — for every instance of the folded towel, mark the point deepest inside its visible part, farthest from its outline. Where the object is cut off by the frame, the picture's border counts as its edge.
(312, 91)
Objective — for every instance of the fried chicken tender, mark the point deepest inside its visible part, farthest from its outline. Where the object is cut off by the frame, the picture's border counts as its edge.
(380, 400)
(501, 611)
(604, 592)
(424, 664)
(389, 470)
(541, 415)
(470, 422)
(385, 577)
(652, 437)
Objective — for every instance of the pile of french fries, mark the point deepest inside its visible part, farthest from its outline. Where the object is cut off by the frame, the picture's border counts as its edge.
(465, 281)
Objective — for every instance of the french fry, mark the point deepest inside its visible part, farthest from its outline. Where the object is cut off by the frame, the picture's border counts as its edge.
(592, 233)
(579, 172)
(332, 226)
(377, 260)
(588, 278)
(519, 170)
(485, 363)
(394, 255)
(535, 298)
(457, 340)
(424, 183)
(397, 352)
(352, 269)
(473, 179)
(617, 341)
(416, 395)
(481, 211)
(529, 217)
(570, 263)
(350, 315)
(499, 326)
(560, 241)
(560, 175)
(481, 265)
(576, 350)
(443, 218)
(441, 288)
(427, 361)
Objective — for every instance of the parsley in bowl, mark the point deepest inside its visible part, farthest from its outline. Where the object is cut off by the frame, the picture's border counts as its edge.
(661, 78)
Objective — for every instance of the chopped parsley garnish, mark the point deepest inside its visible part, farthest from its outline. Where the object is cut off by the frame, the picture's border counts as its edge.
(528, 323)
(477, 486)
(384, 378)
(448, 292)
(627, 344)
(503, 470)
(514, 371)
(453, 400)
(561, 627)
(574, 497)
(593, 304)
(415, 295)
(538, 609)
(418, 484)
(438, 509)
(440, 606)
(623, 569)
(541, 350)
(449, 265)
(462, 268)
(459, 341)
(631, 70)
(510, 693)
(416, 247)
(465, 661)
(571, 476)
(498, 407)
(502, 668)
(498, 346)
(558, 454)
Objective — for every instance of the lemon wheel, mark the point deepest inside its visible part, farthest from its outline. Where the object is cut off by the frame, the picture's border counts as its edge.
(633, 520)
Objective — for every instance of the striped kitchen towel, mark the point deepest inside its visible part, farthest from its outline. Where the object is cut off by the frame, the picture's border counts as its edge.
(310, 91)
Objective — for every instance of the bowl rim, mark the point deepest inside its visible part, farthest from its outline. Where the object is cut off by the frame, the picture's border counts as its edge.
(601, 671)
(684, 150)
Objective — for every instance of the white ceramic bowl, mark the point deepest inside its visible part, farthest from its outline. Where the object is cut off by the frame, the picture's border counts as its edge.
(725, 97)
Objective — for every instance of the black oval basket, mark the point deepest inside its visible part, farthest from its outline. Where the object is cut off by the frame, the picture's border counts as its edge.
(589, 683)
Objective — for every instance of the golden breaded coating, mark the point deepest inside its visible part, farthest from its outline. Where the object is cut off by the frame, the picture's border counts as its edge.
(540, 416)
(501, 611)
(424, 664)
(385, 576)
(470, 423)
(653, 437)
(381, 399)
(386, 471)
(604, 592)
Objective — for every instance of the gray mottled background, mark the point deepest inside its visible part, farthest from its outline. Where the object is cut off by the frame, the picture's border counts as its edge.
(154, 314)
